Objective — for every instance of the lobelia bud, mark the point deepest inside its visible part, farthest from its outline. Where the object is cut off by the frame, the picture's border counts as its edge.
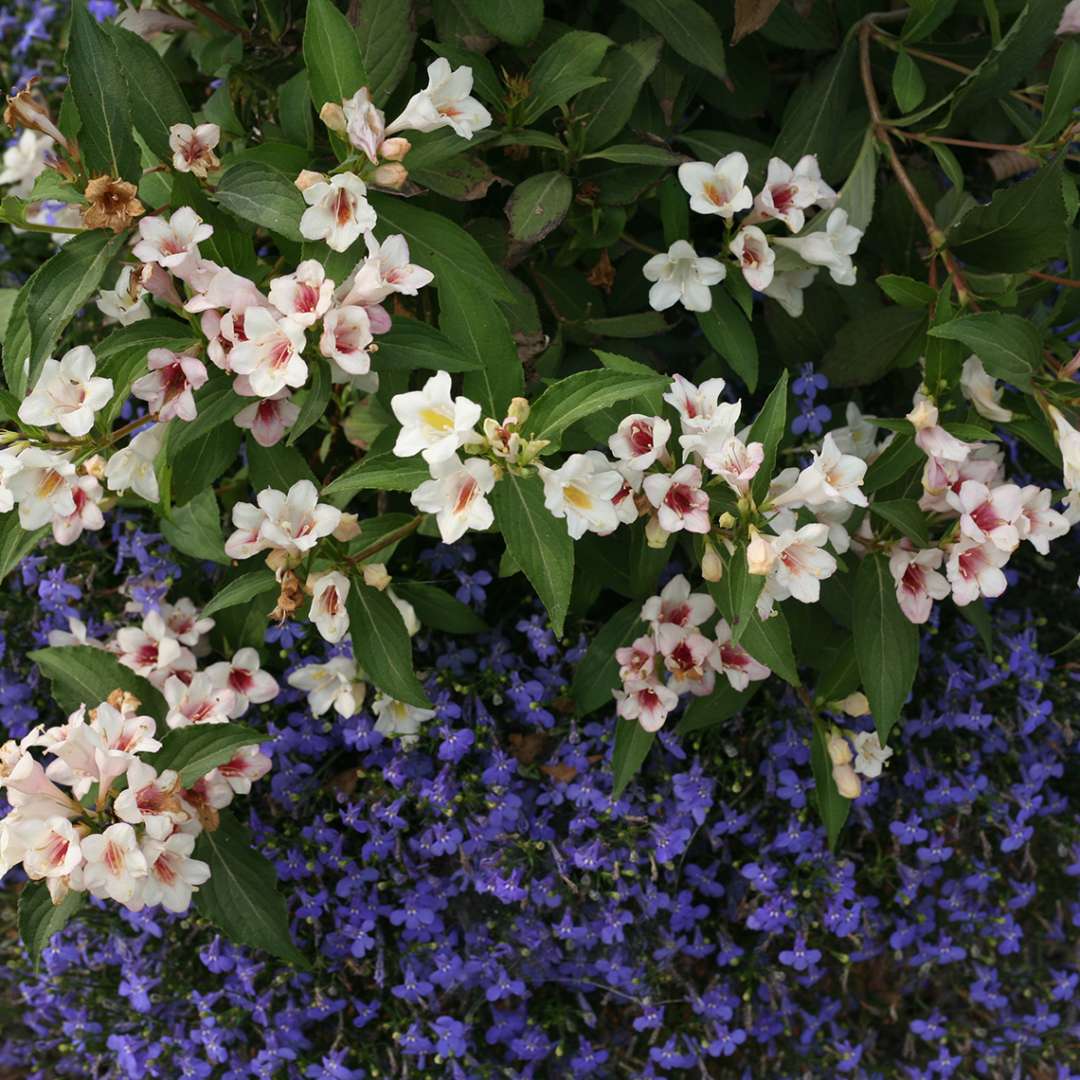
(390, 176)
(375, 575)
(394, 149)
(847, 781)
(855, 704)
(712, 566)
(333, 116)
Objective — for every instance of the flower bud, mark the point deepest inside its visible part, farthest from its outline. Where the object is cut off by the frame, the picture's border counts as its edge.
(281, 562)
(726, 520)
(924, 415)
(760, 555)
(656, 536)
(95, 467)
(847, 782)
(855, 704)
(518, 411)
(376, 576)
(390, 176)
(307, 178)
(839, 748)
(712, 566)
(333, 116)
(394, 149)
(348, 528)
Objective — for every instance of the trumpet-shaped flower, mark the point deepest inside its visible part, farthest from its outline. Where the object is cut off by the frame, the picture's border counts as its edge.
(680, 275)
(446, 101)
(67, 393)
(434, 424)
(720, 188)
(455, 495)
(270, 356)
(581, 491)
(167, 389)
(338, 211)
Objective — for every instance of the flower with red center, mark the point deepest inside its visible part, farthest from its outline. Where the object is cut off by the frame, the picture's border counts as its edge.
(304, 295)
(918, 583)
(974, 570)
(167, 389)
(647, 703)
(680, 502)
(734, 661)
(989, 515)
(640, 440)
(692, 665)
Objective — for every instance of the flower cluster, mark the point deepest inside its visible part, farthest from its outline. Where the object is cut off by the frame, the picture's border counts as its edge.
(782, 269)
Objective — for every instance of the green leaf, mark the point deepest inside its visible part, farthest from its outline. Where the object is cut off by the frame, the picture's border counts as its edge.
(839, 679)
(736, 593)
(100, 91)
(632, 745)
(607, 106)
(156, 100)
(242, 589)
(204, 461)
(40, 919)
(438, 610)
(769, 642)
(1021, 228)
(1063, 92)
(713, 709)
(924, 18)
(294, 111)
(83, 675)
(1009, 346)
(598, 672)
(217, 403)
(410, 344)
(381, 644)
(385, 34)
(260, 194)
(562, 70)
(728, 331)
(277, 467)
(905, 516)
(886, 643)
(950, 166)
(15, 542)
(193, 751)
(195, 528)
(313, 406)
(513, 21)
(378, 472)
(768, 429)
(48, 301)
(580, 395)
(241, 898)
(898, 458)
(538, 205)
(906, 291)
(689, 29)
(331, 54)
(637, 154)
(908, 85)
(872, 344)
(832, 806)
(536, 541)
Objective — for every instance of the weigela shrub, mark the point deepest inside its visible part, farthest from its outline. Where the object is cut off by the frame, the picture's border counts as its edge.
(311, 309)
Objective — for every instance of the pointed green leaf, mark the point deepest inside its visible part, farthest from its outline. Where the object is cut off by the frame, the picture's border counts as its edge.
(193, 751)
(40, 919)
(83, 675)
(632, 746)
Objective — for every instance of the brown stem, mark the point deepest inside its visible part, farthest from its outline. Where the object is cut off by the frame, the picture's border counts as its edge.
(1008, 147)
(385, 541)
(1069, 283)
(214, 17)
(884, 135)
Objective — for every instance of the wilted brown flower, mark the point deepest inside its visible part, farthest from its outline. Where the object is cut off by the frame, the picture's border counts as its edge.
(27, 109)
(110, 204)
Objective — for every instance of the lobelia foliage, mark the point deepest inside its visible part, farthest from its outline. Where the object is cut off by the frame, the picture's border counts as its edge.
(359, 275)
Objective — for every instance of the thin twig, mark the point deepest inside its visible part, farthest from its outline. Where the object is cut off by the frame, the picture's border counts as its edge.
(385, 541)
(214, 17)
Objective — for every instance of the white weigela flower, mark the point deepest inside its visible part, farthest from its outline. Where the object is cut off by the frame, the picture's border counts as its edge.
(1068, 439)
(200, 701)
(151, 800)
(918, 582)
(455, 495)
(126, 301)
(293, 521)
(269, 418)
(67, 393)
(982, 390)
(246, 766)
(433, 424)
(338, 211)
(682, 276)
(581, 492)
(271, 356)
(787, 288)
(329, 593)
(717, 189)
(640, 440)
(115, 868)
(833, 475)
(365, 125)
(304, 295)
(680, 503)
(336, 683)
(735, 462)
(242, 675)
(385, 271)
(647, 703)
(870, 755)
(691, 665)
(86, 493)
(733, 661)
(193, 148)
(974, 570)
(989, 516)
(756, 258)
(346, 338)
(675, 612)
(831, 247)
(50, 847)
(858, 436)
(167, 389)
(42, 487)
(172, 875)
(133, 467)
(444, 102)
(185, 623)
(24, 161)
(1037, 523)
(148, 648)
(696, 405)
(171, 242)
(396, 719)
(788, 192)
(802, 562)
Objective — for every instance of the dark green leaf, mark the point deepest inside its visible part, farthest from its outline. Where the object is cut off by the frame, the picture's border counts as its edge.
(15, 542)
(378, 472)
(598, 672)
(632, 745)
(872, 344)
(728, 331)
(317, 396)
(195, 528)
(897, 459)
(832, 806)
(638, 154)
(840, 678)
(768, 429)
(713, 709)
(905, 291)
(538, 205)
(217, 403)
(193, 751)
(905, 516)
(908, 85)
(241, 898)
(277, 467)
(83, 675)
(294, 111)
(40, 919)
(381, 644)
(564, 69)
(886, 643)
(385, 34)
(769, 642)
(607, 106)
(331, 54)
(438, 610)
(1063, 92)
(689, 29)
(736, 593)
(242, 589)
(513, 21)
(1009, 346)
(410, 344)
(537, 542)
(260, 194)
